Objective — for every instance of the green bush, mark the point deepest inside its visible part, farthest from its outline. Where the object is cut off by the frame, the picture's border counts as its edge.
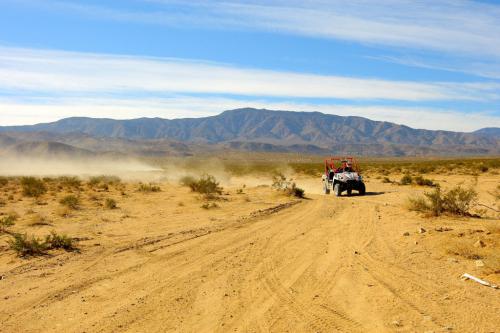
(457, 201)
(419, 180)
(33, 187)
(27, 246)
(110, 203)
(206, 185)
(70, 182)
(70, 201)
(406, 180)
(55, 241)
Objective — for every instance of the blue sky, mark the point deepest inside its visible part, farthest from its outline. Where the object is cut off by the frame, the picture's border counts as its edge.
(426, 64)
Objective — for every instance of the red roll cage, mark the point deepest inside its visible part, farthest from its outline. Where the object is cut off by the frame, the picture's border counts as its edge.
(336, 163)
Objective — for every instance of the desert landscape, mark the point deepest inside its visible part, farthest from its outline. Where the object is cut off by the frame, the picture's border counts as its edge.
(252, 166)
(242, 254)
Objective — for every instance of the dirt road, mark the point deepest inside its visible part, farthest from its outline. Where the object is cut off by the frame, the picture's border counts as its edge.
(324, 264)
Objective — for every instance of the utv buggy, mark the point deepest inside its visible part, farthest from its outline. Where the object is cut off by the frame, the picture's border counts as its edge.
(342, 174)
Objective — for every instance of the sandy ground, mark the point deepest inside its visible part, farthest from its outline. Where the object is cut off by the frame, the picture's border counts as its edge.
(260, 262)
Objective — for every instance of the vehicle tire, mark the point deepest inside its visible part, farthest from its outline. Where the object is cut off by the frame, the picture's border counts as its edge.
(349, 192)
(326, 188)
(336, 189)
(362, 189)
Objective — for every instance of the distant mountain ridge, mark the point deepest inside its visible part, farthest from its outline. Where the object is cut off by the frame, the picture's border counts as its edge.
(266, 130)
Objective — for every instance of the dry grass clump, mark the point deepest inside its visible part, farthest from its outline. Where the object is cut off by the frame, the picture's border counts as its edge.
(147, 188)
(406, 180)
(26, 246)
(38, 220)
(110, 203)
(33, 187)
(206, 185)
(103, 182)
(289, 187)
(386, 180)
(7, 221)
(70, 201)
(69, 182)
(419, 180)
(457, 201)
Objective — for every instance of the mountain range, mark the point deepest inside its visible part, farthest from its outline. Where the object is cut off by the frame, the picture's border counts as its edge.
(245, 129)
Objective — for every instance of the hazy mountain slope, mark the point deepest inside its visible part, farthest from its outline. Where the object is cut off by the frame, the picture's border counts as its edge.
(250, 128)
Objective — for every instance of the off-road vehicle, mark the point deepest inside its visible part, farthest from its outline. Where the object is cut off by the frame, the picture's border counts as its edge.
(342, 174)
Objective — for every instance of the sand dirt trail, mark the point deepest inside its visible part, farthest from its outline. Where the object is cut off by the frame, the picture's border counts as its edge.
(324, 264)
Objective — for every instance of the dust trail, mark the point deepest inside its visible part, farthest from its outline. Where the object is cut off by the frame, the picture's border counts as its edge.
(127, 169)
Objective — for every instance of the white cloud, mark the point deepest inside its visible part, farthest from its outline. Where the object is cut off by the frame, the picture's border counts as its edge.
(61, 72)
(32, 111)
(447, 25)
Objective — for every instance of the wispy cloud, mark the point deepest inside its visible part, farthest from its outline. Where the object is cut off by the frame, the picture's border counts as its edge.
(34, 110)
(451, 26)
(61, 72)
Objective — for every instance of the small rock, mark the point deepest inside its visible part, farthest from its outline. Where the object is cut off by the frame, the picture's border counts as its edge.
(479, 243)
(406, 234)
(421, 230)
(439, 229)
(396, 323)
(356, 252)
(453, 260)
(479, 263)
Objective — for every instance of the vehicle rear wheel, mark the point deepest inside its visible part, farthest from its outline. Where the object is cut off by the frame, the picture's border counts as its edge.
(336, 190)
(362, 189)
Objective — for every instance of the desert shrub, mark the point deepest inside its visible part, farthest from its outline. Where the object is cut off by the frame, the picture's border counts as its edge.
(386, 180)
(239, 191)
(3, 181)
(38, 219)
(457, 201)
(103, 182)
(70, 182)
(70, 201)
(406, 180)
(483, 168)
(419, 180)
(110, 203)
(149, 188)
(55, 241)
(206, 185)
(280, 182)
(418, 204)
(27, 246)
(6, 221)
(297, 192)
(33, 187)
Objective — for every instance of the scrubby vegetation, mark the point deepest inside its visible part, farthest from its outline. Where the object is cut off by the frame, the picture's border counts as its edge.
(281, 183)
(206, 185)
(406, 180)
(25, 245)
(149, 188)
(110, 203)
(70, 201)
(33, 187)
(457, 201)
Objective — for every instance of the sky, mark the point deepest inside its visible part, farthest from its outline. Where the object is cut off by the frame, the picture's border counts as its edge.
(425, 64)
